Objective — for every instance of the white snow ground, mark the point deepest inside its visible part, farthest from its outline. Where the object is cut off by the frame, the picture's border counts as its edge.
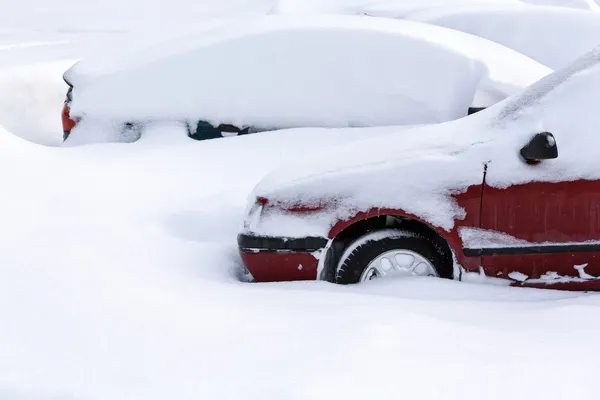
(119, 279)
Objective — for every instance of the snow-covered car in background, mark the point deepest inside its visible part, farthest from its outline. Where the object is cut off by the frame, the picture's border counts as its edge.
(553, 36)
(512, 191)
(400, 6)
(278, 72)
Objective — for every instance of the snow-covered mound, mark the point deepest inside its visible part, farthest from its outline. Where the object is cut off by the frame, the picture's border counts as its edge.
(330, 71)
(551, 35)
(418, 170)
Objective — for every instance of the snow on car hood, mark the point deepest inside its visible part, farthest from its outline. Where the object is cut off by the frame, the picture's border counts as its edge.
(419, 169)
(326, 71)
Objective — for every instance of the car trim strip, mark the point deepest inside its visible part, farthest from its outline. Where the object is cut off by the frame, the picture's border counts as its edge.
(280, 244)
(540, 249)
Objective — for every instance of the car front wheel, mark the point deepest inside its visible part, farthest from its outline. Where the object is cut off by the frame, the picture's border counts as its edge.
(388, 253)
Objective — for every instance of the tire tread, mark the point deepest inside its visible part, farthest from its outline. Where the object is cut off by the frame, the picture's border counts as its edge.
(351, 267)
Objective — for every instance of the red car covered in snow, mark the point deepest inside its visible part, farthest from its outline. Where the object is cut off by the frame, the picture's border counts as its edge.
(512, 192)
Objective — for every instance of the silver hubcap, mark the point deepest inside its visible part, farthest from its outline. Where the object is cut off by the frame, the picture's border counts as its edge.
(398, 263)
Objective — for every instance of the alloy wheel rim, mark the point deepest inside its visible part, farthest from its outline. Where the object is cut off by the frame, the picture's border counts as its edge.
(398, 262)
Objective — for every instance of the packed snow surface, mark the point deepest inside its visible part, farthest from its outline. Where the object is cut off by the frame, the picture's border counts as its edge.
(417, 170)
(326, 71)
(119, 272)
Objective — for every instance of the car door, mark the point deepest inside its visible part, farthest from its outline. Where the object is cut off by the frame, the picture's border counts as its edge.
(548, 229)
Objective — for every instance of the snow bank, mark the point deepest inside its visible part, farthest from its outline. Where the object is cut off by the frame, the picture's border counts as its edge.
(419, 169)
(567, 34)
(330, 71)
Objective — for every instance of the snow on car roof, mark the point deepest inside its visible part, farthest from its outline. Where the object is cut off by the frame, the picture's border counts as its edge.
(328, 71)
(418, 170)
(523, 28)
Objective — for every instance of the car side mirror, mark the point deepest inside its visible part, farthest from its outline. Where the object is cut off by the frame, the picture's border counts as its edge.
(541, 147)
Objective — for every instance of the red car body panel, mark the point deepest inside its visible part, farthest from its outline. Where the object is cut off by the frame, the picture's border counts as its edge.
(280, 266)
(563, 215)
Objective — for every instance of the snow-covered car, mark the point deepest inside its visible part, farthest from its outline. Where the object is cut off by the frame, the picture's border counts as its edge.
(512, 192)
(275, 72)
(400, 6)
(554, 36)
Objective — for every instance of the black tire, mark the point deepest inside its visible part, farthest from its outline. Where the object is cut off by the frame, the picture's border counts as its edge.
(361, 252)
